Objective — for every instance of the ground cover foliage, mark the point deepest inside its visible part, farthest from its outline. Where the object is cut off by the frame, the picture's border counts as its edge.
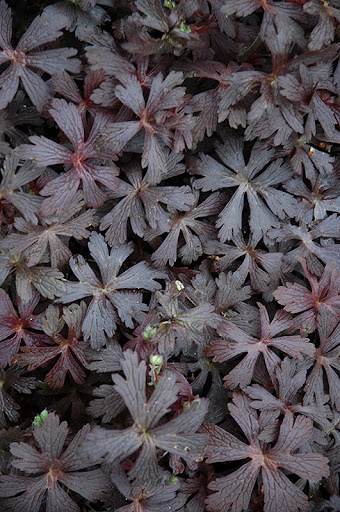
(169, 267)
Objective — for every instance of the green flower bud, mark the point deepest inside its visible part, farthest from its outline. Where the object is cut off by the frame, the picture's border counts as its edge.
(149, 332)
(38, 420)
(179, 285)
(156, 360)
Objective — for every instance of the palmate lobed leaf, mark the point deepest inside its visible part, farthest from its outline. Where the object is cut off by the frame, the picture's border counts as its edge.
(143, 204)
(289, 381)
(195, 232)
(83, 171)
(69, 349)
(263, 268)
(309, 248)
(49, 282)
(323, 296)
(115, 296)
(280, 493)
(44, 29)
(178, 436)
(235, 341)
(21, 327)
(165, 98)
(268, 204)
(51, 235)
(51, 464)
